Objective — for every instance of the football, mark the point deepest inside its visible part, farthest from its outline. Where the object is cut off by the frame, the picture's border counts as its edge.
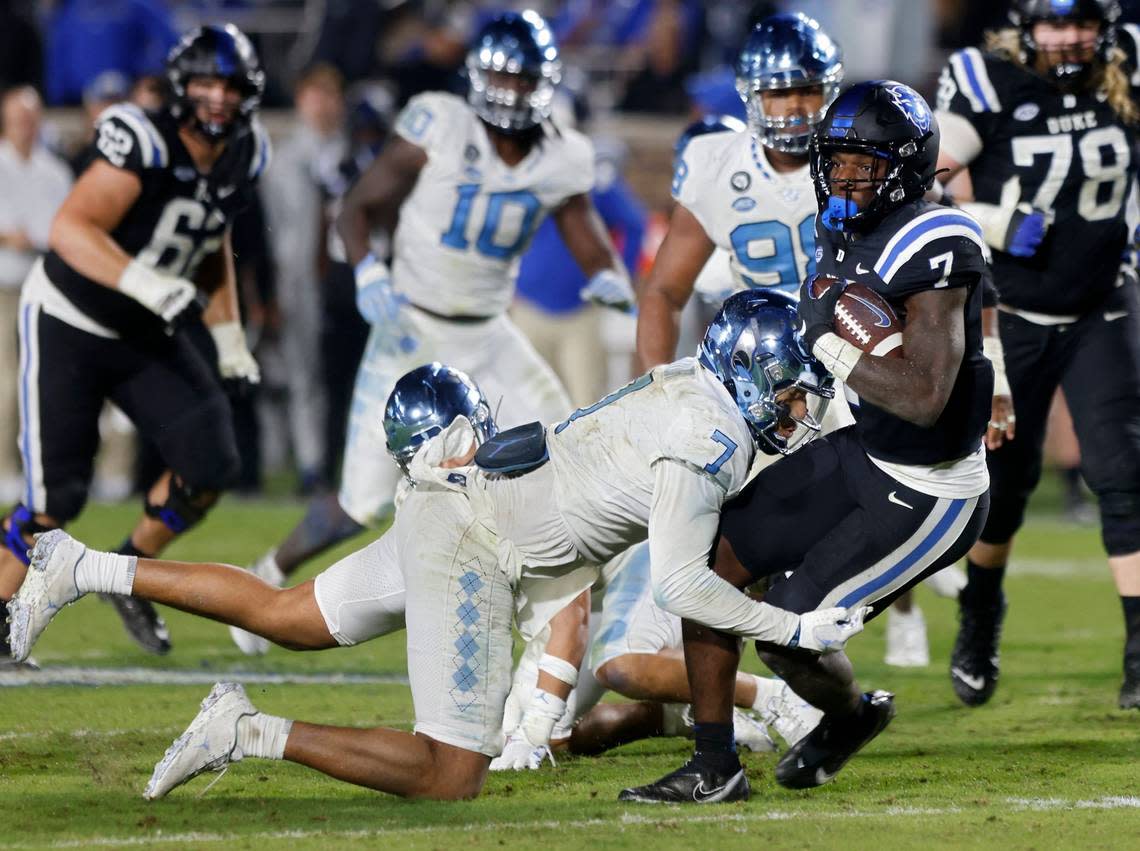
(864, 319)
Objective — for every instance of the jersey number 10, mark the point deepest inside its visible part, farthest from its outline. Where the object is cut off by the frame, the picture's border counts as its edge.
(520, 204)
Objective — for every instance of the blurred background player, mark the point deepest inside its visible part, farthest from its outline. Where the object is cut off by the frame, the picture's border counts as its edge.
(1044, 121)
(109, 314)
(469, 182)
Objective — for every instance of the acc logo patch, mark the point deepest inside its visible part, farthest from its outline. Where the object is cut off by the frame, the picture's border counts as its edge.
(740, 181)
(1027, 112)
(470, 153)
(911, 104)
(818, 255)
(743, 205)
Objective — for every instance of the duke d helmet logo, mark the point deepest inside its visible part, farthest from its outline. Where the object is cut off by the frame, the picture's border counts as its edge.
(911, 105)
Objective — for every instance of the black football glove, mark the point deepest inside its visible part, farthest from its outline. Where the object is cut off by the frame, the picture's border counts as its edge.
(817, 313)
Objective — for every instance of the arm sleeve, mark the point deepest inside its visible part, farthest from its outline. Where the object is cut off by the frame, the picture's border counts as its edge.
(683, 521)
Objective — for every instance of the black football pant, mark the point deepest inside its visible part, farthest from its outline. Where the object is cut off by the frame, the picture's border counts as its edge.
(849, 533)
(1096, 362)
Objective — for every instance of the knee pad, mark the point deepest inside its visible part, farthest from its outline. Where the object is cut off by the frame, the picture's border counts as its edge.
(1120, 521)
(22, 526)
(184, 507)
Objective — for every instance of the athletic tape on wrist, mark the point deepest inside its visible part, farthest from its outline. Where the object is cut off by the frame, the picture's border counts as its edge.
(992, 349)
(837, 355)
(558, 668)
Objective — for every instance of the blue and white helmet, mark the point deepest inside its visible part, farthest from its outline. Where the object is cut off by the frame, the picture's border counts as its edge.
(752, 348)
(516, 43)
(424, 402)
(787, 52)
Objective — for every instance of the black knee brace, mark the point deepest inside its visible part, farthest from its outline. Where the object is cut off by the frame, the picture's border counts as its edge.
(1120, 521)
(21, 527)
(184, 506)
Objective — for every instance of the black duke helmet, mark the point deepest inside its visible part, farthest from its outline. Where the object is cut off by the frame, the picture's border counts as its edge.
(522, 45)
(424, 402)
(787, 52)
(215, 51)
(1025, 13)
(752, 348)
(888, 120)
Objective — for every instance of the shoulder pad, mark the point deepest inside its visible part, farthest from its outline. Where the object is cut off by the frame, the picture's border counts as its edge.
(918, 233)
(971, 76)
(127, 138)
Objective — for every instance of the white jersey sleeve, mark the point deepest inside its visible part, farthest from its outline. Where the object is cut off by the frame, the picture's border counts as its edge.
(694, 179)
(711, 445)
(682, 527)
(470, 215)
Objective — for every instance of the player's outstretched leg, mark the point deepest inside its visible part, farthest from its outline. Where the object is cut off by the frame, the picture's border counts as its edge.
(226, 729)
(265, 569)
(817, 758)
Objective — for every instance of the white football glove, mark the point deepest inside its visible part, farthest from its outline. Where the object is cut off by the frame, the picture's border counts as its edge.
(380, 305)
(827, 630)
(234, 357)
(520, 755)
(609, 288)
(163, 295)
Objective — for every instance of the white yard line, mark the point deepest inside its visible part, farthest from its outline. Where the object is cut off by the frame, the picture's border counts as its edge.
(663, 815)
(72, 675)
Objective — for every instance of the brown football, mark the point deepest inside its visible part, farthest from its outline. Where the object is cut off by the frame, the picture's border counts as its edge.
(865, 319)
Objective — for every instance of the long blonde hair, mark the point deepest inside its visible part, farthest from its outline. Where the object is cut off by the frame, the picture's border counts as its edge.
(1112, 79)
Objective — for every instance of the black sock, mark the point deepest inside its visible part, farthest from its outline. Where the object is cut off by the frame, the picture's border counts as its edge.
(983, 585)
(1131, 627)
(716, 746)
(127, 548)
(1071, 476)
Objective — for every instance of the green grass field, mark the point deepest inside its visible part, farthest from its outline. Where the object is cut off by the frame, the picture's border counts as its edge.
(1050, 763)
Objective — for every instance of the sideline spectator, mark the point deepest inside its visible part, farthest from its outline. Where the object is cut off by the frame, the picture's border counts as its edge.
(35, 183)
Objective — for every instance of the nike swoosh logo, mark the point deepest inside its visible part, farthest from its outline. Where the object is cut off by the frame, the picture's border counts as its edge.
(976, 683)
(1113, 315)
(700, 793)
(822, 776)
(892, 498)
(859, 270)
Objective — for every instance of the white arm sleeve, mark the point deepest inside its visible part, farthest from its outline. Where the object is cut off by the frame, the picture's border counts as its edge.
(960, 141)
(682, 526)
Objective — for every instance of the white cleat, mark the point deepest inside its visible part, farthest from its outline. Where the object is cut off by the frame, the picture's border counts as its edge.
(265, 569)
(750, 732)
(48, 586)
(906, 639)
(209, 743)
(790, 715)
(947, 582)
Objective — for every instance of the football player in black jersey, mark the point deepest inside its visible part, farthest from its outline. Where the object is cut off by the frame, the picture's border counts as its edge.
(1045, 120)
(113, 313)
(858, 516)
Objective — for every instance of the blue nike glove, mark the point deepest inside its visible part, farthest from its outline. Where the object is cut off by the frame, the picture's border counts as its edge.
(609, 288)
(1026, 230)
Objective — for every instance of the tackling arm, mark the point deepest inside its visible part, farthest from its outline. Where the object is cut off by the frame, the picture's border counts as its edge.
(679, 261)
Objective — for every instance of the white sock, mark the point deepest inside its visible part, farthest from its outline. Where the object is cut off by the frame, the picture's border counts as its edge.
(766, 689)
(106, 573)
(263, 735)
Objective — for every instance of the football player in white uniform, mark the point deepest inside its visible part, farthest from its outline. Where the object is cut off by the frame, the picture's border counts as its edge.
(657, 458)
(469, 182)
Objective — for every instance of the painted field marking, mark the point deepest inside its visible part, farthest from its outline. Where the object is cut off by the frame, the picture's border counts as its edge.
(83, 676)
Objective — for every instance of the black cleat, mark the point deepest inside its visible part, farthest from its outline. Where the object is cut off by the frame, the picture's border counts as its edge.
(1130, 691)
(692, 783)
(817, 757)
(975, 661)
(144, 624)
